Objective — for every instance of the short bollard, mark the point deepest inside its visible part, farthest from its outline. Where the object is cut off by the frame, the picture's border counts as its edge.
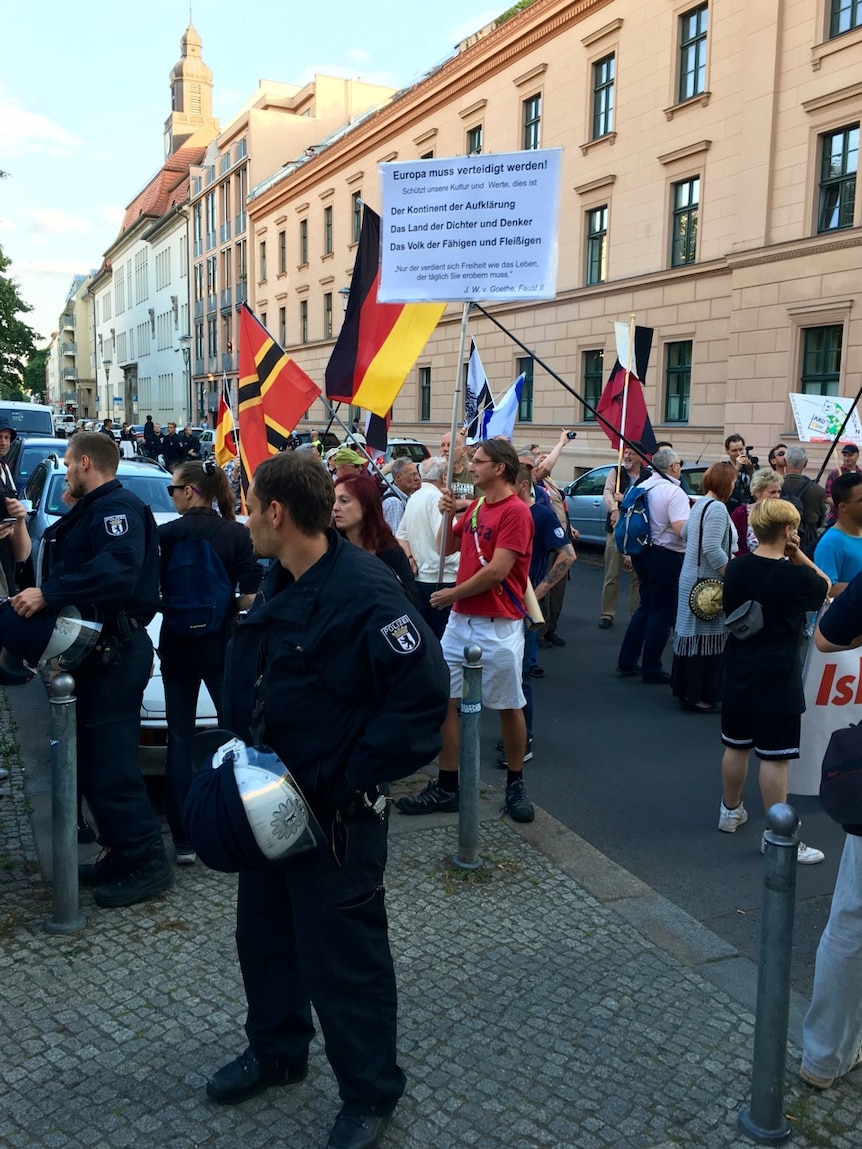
(66, 917)
(468, 765)
(764, 1120)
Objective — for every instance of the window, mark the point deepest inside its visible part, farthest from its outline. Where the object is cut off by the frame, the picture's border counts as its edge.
(303, 321)
(199, 341)
(474, 141)
(197, 229)
(677, 378)
(212, 275)
(282, 252)
(199, 281)
(327, 315)
(844, 15)
(525, 407)
(603, 97)
(327, 230)
(692, 53)
(184, 256)
(241, 269)
(164, 334)
(424, 394)
(119, 295)
(261, 273)
(686, 201)
(282, 326)
(356, 215)
(226, 261)
(821, 359)
(163, 269)
(532, 122)
(593, 367)
(210, 207)
(303, 242)
(839, 163)
(212, 336)
(597, 245)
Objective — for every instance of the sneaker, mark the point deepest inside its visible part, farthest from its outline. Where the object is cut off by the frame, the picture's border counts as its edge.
(503, 761)
(805, 855)
(148, 878)
(730, 820)
(248, 1075)
(536, 672)
(185, 856)
(517, 805)
(818, 1082)
(432, 800)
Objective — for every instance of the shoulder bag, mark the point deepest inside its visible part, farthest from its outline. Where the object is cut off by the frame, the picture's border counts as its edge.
(705, 597)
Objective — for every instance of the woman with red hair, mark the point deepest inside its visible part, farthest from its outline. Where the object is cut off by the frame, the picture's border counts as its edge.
(358, 516)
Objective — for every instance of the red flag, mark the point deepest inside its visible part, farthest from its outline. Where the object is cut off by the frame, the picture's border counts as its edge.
(274, 394)
(638, 428)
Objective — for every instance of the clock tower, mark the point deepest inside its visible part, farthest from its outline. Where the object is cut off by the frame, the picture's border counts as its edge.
(191, 119)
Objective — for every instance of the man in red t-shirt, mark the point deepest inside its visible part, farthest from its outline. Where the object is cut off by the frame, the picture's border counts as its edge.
(495, 537)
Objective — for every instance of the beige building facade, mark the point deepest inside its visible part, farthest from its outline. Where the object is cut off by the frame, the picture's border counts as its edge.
(709, 188)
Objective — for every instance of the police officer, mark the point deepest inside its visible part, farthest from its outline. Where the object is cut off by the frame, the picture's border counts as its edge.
(104, 553)
(337, 673)
(172, 446)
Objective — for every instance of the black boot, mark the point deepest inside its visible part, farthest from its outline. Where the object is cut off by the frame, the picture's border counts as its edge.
(143, 879)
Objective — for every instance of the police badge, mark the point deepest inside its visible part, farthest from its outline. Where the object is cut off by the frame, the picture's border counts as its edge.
(116, 524)
(402, 635)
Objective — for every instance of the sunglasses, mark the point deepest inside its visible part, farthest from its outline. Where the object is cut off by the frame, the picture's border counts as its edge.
(182, 487)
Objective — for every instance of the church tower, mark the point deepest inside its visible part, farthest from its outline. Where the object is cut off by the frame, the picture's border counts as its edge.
(191, 119)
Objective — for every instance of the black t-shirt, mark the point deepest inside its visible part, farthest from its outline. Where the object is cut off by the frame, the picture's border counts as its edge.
(766, 669)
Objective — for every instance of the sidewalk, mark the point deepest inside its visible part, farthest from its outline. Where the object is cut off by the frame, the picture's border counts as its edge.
(549, 1000)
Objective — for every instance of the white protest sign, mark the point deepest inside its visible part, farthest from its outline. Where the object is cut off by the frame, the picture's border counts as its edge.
(833, 698)
(478, 228)
(819, 418)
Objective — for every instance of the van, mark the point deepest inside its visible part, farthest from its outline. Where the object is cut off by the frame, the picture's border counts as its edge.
(27, 418)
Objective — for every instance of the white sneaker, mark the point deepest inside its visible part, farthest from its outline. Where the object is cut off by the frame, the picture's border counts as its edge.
(805, 855)
(730, 820)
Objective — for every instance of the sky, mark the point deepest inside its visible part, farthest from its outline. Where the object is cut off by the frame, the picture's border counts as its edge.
(84, 94)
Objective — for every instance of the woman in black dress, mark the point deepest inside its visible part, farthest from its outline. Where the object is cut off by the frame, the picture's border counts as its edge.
(358, 516)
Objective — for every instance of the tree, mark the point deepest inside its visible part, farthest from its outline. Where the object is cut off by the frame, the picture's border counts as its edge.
(34, 374)
(17, 339)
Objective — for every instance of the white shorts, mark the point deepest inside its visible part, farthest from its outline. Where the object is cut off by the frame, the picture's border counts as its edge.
(502, 643)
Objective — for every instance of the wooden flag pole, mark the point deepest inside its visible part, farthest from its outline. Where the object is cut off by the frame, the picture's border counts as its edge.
(625, 399)
(456, 411)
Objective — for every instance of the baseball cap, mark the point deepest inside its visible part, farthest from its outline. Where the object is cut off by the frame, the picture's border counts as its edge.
(348, 455)
(849, 449)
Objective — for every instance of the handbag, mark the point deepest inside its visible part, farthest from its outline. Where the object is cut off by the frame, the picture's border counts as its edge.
(841, 776)
(705, 597)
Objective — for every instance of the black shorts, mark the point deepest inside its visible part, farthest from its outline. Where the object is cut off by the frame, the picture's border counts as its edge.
(773, 737)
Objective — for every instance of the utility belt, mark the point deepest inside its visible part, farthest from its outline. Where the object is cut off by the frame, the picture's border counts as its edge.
(115, 635)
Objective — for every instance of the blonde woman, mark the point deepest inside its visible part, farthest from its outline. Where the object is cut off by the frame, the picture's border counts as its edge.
(765, 484)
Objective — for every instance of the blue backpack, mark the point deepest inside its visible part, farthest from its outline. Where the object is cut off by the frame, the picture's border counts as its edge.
(197, 593)
(632, 532)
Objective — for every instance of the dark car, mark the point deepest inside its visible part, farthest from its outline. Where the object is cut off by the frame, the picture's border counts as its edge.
(586, 508)
(25, 454)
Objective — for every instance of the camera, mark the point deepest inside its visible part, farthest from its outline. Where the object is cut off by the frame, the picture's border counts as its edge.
(571, 434)
(754, 460)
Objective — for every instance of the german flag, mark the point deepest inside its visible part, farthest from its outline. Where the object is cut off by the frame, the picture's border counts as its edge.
(379, 342)
(274, 394)
(225, 437)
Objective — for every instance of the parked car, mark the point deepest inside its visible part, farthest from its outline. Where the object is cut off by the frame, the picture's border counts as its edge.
(26, 418)
(45, 487)
(25, 454)
(206, 442)
(406, 448)
(586, 508)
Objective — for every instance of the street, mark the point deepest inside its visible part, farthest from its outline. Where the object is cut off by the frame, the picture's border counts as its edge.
(622, 766)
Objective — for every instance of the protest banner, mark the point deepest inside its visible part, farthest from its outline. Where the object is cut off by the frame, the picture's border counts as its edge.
(819, 418)
(470, 228)
(833, 698)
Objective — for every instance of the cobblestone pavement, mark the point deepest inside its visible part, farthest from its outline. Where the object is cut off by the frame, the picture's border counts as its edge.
(532, 1014)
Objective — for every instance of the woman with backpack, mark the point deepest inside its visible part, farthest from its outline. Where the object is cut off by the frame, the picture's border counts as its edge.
(205, 555)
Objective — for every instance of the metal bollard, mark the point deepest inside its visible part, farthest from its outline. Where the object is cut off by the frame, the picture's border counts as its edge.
(468, 765)
(66, 917)
(764, 1120)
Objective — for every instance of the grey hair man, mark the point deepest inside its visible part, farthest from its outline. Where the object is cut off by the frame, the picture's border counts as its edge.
(418, 535)
(808, 496)
(405, 481)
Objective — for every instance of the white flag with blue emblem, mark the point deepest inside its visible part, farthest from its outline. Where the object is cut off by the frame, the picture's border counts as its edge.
(500, 420)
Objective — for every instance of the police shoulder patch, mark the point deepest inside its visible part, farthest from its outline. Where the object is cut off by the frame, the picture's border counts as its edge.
(560, 533)
(116, 524)
(402, 635)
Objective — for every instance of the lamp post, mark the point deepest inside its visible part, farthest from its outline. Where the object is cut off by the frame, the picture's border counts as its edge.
(106, 363)
(186, 348)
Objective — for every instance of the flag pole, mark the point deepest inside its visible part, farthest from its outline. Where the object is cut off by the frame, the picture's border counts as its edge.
(554, 375)
(456, 409)
(349, 438)
(837, 438)
(625, 399)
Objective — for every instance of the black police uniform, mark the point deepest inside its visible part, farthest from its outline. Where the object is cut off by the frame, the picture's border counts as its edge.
(104, 552)
(173, 450)
(341, 677)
